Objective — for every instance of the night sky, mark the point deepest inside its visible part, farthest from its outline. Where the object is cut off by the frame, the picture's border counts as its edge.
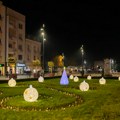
(68, 25)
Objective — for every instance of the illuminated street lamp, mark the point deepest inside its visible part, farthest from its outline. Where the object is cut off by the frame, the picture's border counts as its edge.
(63, 59)
(43, 39)
(82, 53)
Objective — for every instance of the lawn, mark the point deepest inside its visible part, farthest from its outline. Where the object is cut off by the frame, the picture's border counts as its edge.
(61, 102)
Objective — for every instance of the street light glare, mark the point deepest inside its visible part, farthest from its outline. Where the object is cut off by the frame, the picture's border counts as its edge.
(43, 25)
(44, 39)
(42, 33)
(82, 50)
(41, 29)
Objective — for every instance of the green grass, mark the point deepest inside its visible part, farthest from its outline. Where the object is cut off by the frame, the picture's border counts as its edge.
(61, 102)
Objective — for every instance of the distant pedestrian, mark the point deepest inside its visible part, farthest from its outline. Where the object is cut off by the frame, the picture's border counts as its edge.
(10, 71)
(7, 74)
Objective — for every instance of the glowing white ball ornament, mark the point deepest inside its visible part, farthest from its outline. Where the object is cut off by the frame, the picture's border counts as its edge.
(89, 77)
(41, 79)
(12, 82)
(71, 77)
(30, 94)
(119, 78)
(84, 86)
(76, 79)
(102, 81)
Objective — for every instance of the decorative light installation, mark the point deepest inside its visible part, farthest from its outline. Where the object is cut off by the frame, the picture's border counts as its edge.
(89, 77)
(41, 79)
(119, 78)
(102, 81)
(84, 86)
(71, 77)
(64, 79)
(30, 94)
(76, 79)
(12, 82)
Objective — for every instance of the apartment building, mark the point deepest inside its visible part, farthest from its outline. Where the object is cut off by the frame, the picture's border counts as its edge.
(13, 45)
(32, 53)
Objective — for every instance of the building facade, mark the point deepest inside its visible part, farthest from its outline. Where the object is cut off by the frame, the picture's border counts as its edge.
(33, 51)
(2, 37)
(13, 45)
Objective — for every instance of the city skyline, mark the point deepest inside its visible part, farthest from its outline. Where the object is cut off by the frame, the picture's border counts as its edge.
(69, 25)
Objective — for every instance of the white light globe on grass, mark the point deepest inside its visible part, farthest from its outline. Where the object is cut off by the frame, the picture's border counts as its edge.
(12, 82)
(119, 78)
(89, 77)
(102, 81)
(84, 86)
(30, 94)
(41, 79)
(76, 79)
(71, 77)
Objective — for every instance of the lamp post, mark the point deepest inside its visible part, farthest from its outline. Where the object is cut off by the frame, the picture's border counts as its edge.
(63, 59)
(43, 39)
(82, 53)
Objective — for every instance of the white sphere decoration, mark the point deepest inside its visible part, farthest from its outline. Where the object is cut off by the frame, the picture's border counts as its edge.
(30, 94)
(71, 76)
(12, 82)
(89, 77)
(76, 79)
(102, 81)
(84, 86)
(119, 78)
(41, 79)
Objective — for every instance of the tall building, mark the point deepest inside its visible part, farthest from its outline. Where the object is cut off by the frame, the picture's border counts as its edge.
(33, 51)
(12, 42)
(2, 37)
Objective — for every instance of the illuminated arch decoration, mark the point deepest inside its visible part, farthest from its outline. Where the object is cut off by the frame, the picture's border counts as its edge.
(71, 77)
(64, 79)
(84, 86)
(41, 79)
(12, 82)
(76, 79)
(102, 81)
(89, 77)
(30, 94)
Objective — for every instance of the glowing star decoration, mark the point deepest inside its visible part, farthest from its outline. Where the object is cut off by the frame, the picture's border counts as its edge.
(89, 77)
(76, 79)
(30, 94)
(41, 79)
(64, 79)
(12, 82)
(102, 81)
(84, 86)
(71, 77)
